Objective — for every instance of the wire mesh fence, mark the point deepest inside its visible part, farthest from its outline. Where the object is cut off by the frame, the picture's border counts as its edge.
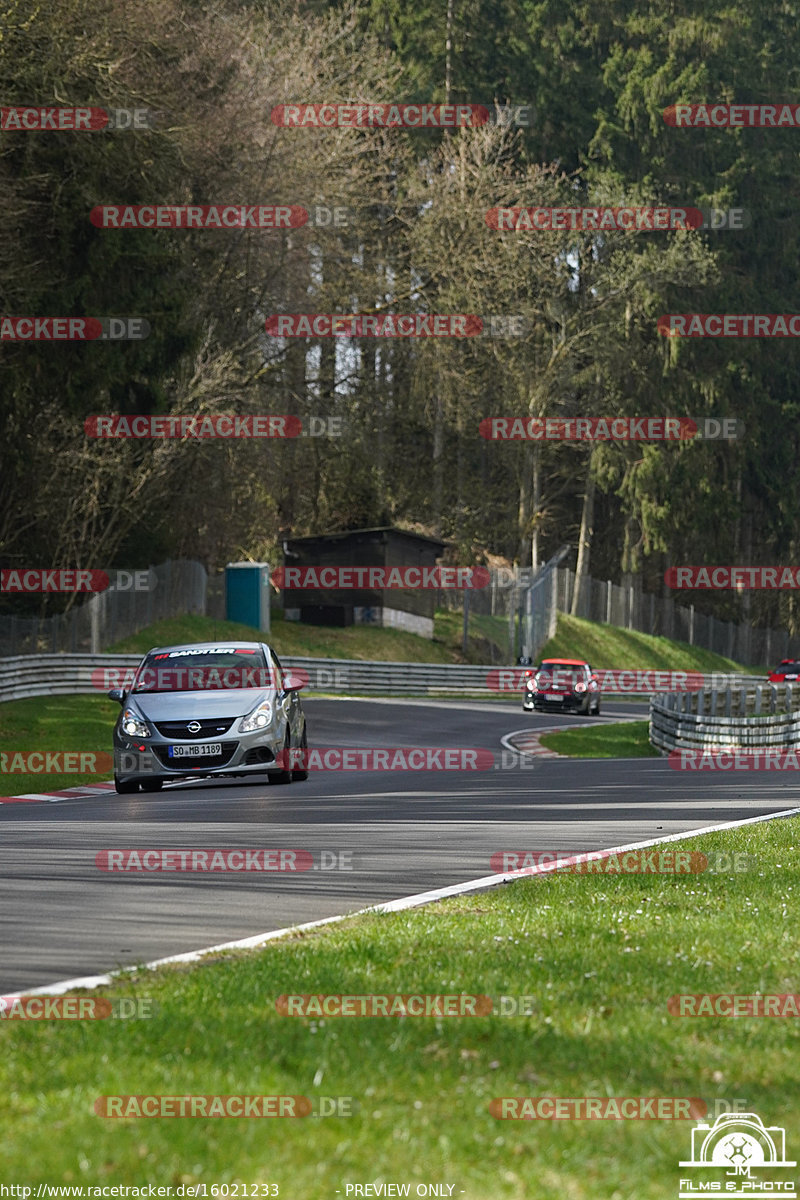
(175, 587)
(512, 616)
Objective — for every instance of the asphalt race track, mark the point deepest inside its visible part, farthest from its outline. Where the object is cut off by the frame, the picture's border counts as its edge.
(405, 832)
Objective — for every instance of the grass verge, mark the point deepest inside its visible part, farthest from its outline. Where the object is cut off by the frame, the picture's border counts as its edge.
(598, 955)
(623, 739)
(66, 724)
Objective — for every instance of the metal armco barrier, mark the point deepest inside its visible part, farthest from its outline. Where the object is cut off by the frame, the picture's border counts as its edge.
(673, 726)
(64, 674)
(55, 674)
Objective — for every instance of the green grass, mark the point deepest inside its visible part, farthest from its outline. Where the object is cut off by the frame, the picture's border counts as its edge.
(361, 642)
(607, 646)
(55, 723)
(598, 955)
(628, 739)
(601, 645)
(488, 636)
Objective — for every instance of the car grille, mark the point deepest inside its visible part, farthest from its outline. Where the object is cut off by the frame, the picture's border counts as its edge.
(186, 765)
(177, 731)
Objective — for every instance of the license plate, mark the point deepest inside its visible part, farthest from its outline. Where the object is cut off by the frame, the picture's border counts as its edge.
(203, 751)
(554, 699)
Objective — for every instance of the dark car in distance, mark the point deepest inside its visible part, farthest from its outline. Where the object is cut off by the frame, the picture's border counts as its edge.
(561, 685)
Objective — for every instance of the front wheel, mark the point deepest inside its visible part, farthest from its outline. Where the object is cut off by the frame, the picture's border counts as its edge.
(126, 788)
(300, 775)
(152, 785)
(278, 777)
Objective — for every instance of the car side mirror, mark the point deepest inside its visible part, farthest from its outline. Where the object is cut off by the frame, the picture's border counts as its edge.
(293, 682)
(117, 694)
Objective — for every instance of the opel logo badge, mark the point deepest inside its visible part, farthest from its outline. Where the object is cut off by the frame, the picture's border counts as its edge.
(193, 727)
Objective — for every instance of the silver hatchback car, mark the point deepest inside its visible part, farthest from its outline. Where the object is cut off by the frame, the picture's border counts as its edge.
(212, 708)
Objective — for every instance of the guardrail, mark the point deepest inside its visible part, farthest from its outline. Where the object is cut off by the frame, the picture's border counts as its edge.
(674, 727)
(65, 674)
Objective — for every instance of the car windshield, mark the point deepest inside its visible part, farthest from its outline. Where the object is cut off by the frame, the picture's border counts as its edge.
(208, 669)
(792, 668)
(562, 672)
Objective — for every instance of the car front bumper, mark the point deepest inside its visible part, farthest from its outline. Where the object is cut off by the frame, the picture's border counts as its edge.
(541, 703)
(241, 754)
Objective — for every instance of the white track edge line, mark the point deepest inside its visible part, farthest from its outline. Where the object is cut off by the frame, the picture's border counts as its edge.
(458, 889)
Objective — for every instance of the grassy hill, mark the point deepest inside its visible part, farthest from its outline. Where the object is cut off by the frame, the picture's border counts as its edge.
(609, 646)
(601, 645)
(362, 642)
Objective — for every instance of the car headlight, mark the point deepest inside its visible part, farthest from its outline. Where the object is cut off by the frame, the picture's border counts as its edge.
(259, 718)
(530, 685)
(132, 724)
(580, 687)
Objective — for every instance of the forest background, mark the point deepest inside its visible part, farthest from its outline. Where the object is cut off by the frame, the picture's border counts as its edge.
(595, 78)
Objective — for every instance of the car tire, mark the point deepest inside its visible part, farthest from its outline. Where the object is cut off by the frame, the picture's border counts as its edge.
(279, 777)
(152, 785)
(125, 788)
(301, 774)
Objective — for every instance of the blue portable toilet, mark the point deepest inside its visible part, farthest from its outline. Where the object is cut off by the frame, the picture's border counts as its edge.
(247, 594)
